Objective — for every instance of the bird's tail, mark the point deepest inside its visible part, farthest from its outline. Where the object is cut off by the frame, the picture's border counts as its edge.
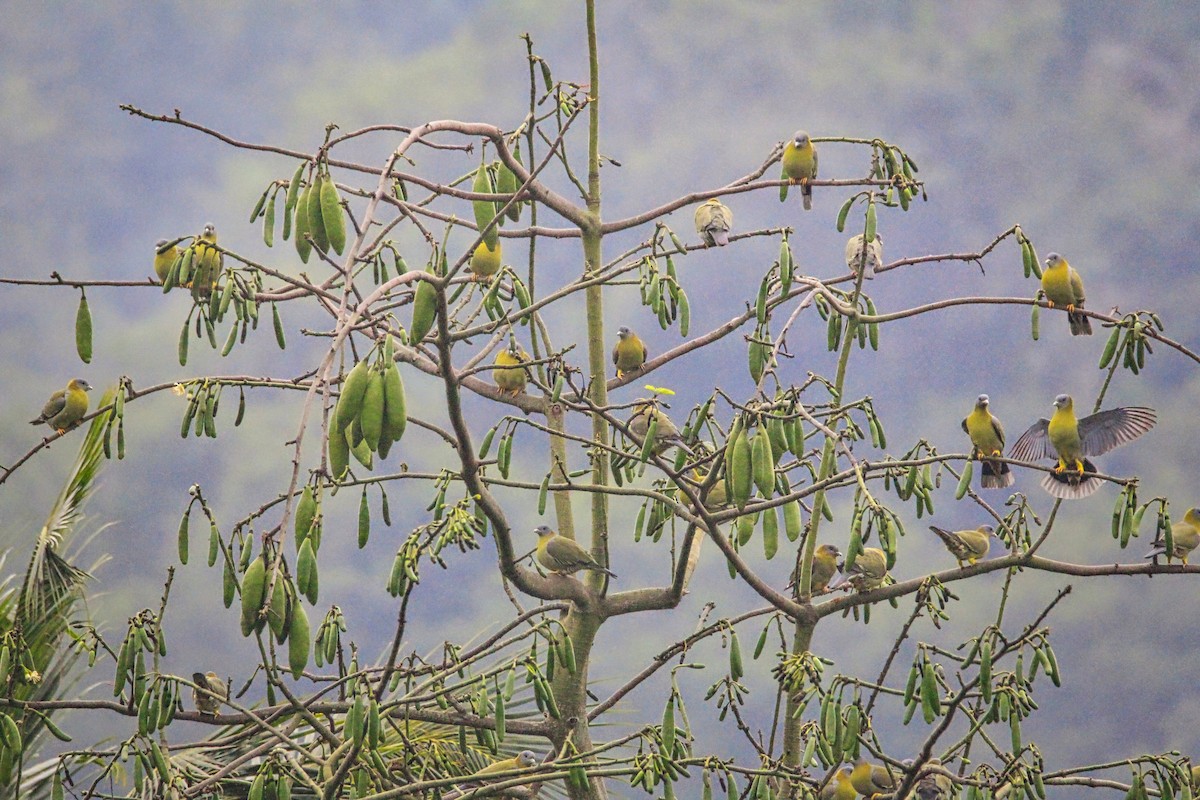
(1072, 485)
(37, 421)
(996, 475)
(806, 196)
(598, 568)
(1159, 549)
(1081, 324)
(720, 237)
(945, 535)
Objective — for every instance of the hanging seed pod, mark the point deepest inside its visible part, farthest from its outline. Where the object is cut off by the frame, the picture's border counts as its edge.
(316, 221)
(485, 210)
(303, 243)
(83, 329)
(331, 215)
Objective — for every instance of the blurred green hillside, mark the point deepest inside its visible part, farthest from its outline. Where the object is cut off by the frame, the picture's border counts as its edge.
(1079, 120)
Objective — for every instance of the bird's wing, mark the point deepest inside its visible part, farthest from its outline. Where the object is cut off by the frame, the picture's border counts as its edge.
(1102, 432)
(645, 352)
(567, 551)
(999, 429)
(814, 169)
(616, 351)
(1076, 287)
(1032, 444)
(54, 405)
(966, 430)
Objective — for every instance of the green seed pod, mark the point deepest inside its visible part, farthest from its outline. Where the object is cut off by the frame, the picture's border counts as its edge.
(395, 408)
(316, 220)
(83, 329)
(354, 390)
(763, 462)
(339, 452)
(869, 230)
(278, 323)
(770, 533)
(303, 245)
(843, 213)
(253, 593)
(364, 520)
(485, 210)
(331, 215)
(793, 523)
(1033, 321)
(371, 415)
(424, 310)
(735, 657)
(182, 537)
(299, 641)
(964, 483)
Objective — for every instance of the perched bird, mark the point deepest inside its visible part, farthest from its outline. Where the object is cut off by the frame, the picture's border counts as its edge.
(968, 546)
(874, 255)
(1185, 537)
(713, 221)
(869, 572)
(665, 432)
(65, 407)
(560, 554)
(485, 261)
(839, 787)
(934, 785)
(871, 779)
(207, 262)
(824, 567)
(164, 259)
(514, 378)
(987, 437)
(717, 496)
(629, 353)
(206, 703)
(1064, 287)
(522, 760)
(1073, 440)
(799, 166)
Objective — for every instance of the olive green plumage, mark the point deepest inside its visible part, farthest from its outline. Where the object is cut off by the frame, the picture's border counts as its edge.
(1185, 537)
(512, 377)
(1072, 440)
(966, 546)
(523, 760)
(164, 259)
(65, 407)
(207, 262)
(713, 221)
(799, 166)
(934, 785)
(665, 432)
(560, 554)
(868, 572)
(871, 779)
(987, 437)
(824, 567)
(873, 256)
(1063, 287)
(206, 703)
(629, 353)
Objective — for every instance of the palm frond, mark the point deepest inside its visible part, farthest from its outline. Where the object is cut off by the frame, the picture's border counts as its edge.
(49, 579)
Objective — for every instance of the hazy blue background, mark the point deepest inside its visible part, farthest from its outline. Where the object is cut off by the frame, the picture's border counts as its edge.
(1077, 119)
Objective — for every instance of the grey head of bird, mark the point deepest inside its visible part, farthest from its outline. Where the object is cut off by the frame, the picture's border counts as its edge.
(1062, 401)
(514, 349)
(988, 529)
(623, 332)
(1053, 259)
(982, 401)
(80, 383)
(543, 531)
(210, 230)
(160, 245)
(526, 758)
(800, 138)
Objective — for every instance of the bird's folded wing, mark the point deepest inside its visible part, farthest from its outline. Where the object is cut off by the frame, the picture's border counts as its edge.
(1101, 432)
(1032, 444)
